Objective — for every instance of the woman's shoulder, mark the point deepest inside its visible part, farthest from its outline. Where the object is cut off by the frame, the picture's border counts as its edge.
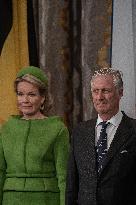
(10, 120)
(51, 121)
(1, 123)
(13, 118)
(56, 120)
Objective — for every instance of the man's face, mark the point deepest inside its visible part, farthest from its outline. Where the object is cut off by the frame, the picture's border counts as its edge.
(105, 95)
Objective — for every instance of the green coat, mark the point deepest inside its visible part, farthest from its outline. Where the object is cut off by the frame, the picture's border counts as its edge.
(33, 157)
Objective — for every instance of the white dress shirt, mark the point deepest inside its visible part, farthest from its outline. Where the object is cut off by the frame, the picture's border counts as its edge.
(111, 129)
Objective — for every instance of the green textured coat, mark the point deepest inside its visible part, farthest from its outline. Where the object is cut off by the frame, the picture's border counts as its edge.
(33, 160)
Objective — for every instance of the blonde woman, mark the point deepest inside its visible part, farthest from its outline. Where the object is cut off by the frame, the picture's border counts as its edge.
(33, 147)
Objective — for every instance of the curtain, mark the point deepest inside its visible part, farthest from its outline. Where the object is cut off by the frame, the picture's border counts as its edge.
(124, 50)
(52, 31)
(73, 39)
(96, 35)
(14, 54)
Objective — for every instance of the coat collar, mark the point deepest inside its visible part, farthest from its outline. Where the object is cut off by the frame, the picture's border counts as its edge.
(122, 135)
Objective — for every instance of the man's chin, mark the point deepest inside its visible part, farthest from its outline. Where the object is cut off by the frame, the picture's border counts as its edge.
(102, 111)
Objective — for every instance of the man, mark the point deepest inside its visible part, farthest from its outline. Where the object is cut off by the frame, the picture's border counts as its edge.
(102, 164)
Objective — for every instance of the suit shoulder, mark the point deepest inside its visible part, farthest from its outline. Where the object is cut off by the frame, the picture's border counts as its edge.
(84, 125)
(130, 121)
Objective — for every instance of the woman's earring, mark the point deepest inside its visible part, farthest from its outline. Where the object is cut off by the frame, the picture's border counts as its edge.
(42, 107)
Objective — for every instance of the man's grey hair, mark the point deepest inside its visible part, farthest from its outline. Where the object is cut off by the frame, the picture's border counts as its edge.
(116, 74)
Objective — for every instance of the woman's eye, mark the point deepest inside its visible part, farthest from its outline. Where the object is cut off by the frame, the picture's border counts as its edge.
(28, 94)
(32, 94)
(19, 94)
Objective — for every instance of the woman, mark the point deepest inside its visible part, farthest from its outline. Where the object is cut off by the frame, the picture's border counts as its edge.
(33, 147)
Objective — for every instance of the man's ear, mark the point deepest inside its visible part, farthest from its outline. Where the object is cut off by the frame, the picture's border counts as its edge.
(121, 92)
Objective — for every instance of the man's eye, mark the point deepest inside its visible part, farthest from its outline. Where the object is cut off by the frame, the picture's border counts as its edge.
(106, 91)
(95, 91)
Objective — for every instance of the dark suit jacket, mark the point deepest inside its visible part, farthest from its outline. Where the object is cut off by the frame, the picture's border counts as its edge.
(116, 184)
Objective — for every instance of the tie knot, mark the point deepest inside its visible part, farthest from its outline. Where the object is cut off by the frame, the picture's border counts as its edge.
(102, 145)
(104, 124)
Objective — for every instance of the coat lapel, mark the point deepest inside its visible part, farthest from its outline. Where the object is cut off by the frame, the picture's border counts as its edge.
(120, 138)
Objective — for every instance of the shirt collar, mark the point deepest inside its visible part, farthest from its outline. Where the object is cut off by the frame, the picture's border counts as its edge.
(115, 120)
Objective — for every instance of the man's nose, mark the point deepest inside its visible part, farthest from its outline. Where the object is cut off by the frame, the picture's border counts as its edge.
(100, 95)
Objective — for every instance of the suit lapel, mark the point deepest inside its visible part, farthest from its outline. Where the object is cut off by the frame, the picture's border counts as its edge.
(89, 144)
(89, 136)
(120, 138)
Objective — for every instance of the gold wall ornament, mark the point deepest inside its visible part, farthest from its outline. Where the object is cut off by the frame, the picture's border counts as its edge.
(103, 58)
(65, 56)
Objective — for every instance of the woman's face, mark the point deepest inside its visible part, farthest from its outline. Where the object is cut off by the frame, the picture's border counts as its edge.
(29, 100)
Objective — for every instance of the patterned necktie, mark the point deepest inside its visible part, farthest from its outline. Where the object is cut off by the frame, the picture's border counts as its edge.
(102, 145)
